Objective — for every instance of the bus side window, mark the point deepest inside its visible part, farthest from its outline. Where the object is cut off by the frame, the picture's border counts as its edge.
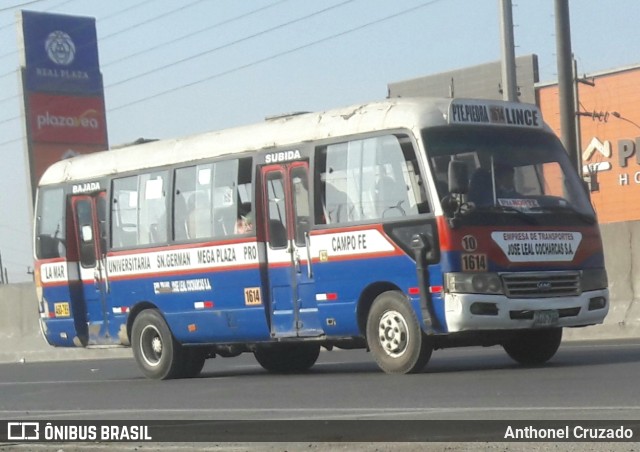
(50, 224)
(371, 179)
(124, 223)
(277, 210)
(152, 212)
(300, 189)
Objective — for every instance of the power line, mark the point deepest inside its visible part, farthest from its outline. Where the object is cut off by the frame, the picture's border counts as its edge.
(109, 16)
(15, 140)
(277, 55)
(153, 19)
(15, 118)
(19, 5)
(260, 61)
(19, 231)
(48, 9)
(112, 34)
(210, 50)
(197, 32)
(117, 13)
(122, 11)
(225, 22)
(246, 38)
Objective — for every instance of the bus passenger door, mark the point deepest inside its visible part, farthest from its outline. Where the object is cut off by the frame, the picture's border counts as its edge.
(89, 225)
(293, 308)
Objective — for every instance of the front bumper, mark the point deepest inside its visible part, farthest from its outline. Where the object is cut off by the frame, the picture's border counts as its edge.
(467, 312)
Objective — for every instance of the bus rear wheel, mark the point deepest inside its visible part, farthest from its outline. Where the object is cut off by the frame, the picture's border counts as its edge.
(156, 351)
(287, 358)
(193, 362)
(394, 335)
(533, 347)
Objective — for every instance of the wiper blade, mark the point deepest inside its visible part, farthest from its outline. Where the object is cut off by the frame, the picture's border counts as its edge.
(521, 214)
(590, 219)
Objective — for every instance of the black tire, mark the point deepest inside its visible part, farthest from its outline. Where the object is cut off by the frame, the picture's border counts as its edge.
(156, 351)
(533, 347)
(394, 335)
(287, 358)
(193, 362)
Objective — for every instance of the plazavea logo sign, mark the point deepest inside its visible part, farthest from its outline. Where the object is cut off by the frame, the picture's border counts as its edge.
(61, 53)
(67, 119)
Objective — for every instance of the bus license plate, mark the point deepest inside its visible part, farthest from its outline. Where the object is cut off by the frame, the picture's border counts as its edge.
(545, 318)
(62, 309)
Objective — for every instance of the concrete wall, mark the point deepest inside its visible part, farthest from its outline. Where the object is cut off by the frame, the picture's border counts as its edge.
(20, 337)
(622, 259)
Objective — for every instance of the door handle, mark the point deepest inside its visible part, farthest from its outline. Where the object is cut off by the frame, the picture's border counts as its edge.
(296, 261)
(307, 243)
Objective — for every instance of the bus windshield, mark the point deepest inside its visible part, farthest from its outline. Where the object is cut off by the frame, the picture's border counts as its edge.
(507, 169)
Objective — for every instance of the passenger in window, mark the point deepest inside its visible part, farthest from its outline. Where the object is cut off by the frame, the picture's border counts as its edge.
(244, 224)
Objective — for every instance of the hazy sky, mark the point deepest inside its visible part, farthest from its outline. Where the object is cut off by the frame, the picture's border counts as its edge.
(179, 67)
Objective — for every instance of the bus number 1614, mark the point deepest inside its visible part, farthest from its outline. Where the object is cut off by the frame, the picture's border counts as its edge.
(474, 262)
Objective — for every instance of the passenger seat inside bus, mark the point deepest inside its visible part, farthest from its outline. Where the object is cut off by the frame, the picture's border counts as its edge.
(48, 246)
(481, 188)
(390, 195)
(199, 219)
(277, 234)
(224, 221)
(180, 218)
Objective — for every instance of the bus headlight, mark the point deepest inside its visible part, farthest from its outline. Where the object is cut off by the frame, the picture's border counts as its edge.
(482, 283)
(594, 279)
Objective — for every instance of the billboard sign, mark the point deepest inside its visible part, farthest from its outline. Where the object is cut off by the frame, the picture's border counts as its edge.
(67, 119)
(46, 154)
(60, 53)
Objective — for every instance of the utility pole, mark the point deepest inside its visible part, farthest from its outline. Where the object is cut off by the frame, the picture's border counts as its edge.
(566, 83)
(2, 272)
(509, 82)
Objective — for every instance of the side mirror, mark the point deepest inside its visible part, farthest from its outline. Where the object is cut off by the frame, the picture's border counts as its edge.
(458, 177)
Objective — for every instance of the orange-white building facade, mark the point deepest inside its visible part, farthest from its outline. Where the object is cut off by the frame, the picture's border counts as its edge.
(609, 139)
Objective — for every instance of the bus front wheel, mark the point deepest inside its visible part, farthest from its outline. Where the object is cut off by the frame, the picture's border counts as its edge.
(533, 347)
(394, 335)
(158, 354)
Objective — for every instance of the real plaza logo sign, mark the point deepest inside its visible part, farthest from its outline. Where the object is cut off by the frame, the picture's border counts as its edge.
(597, 150)
(60, 54)
(60, 48)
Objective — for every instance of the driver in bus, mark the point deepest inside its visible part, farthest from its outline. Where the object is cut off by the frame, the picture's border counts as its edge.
(505, 183)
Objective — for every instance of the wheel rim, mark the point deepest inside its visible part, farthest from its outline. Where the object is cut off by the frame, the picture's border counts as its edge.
(151, 345)
(393, 334)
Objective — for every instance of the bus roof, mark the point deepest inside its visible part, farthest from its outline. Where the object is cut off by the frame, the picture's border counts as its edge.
(413, 113)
